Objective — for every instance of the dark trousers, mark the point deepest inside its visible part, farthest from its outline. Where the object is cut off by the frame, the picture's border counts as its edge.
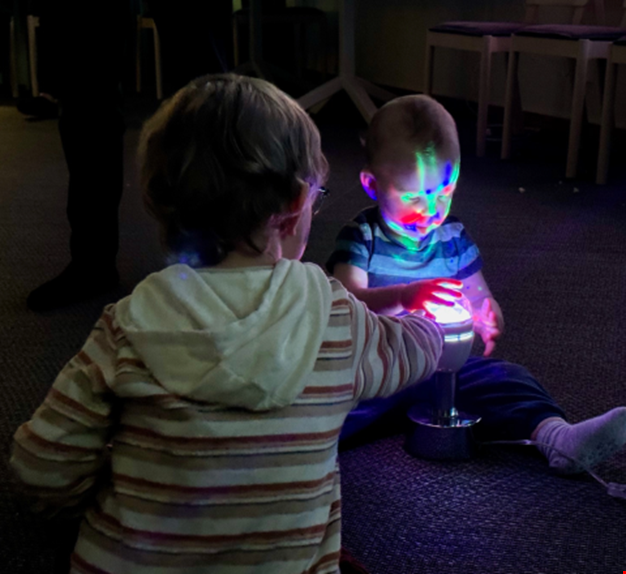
(83, 48)
(510, 401)
(196, 39)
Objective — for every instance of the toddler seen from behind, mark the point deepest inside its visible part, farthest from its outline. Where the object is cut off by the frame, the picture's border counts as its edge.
(197, 429)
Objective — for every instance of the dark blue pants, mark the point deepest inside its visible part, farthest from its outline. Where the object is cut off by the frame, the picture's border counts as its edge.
(510, 401)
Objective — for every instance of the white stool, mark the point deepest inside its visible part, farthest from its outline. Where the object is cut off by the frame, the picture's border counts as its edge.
(488, 38)
(580, 43)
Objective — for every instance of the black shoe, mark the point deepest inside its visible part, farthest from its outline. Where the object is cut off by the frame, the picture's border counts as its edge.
(73, 285)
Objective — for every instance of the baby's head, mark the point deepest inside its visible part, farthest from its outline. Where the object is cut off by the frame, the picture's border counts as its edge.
(226, 162)
(413, 160)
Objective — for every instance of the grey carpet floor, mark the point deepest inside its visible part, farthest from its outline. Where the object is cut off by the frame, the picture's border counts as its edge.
(555, 257)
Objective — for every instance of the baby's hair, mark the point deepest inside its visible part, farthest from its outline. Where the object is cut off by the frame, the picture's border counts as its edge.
(417, 120)
(221, 158)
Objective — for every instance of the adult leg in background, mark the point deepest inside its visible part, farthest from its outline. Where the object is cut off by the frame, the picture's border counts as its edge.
(89, 41)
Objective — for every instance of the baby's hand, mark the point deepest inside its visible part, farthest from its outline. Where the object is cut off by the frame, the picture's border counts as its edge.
(489, 324)
(417, 294)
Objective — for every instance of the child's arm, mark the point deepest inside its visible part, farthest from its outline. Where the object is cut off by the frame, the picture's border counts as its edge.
(58, 455)
(488, 319)
(391, 352)
(395, 299)
(383, 300)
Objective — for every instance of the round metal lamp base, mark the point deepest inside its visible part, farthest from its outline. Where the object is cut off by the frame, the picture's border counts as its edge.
(451, 439)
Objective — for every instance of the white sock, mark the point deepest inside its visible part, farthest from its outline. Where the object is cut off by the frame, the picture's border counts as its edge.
(588, 442)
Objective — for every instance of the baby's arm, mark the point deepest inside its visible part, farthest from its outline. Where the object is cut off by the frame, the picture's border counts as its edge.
(58, 455)
(488, 319)
(395, 299)
(382, 300)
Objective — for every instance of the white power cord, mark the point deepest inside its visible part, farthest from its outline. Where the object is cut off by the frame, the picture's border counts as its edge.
(613, 488)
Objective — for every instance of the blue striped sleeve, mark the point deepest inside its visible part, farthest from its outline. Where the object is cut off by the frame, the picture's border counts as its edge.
(352, 247)
(468, 256)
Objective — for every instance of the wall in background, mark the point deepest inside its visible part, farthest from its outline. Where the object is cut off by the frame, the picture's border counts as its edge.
(391, 44)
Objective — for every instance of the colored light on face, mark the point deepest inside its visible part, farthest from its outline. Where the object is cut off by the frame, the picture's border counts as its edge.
(445, 187)
(426, 208)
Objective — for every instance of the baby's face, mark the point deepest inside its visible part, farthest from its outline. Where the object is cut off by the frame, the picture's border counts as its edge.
(415, 198)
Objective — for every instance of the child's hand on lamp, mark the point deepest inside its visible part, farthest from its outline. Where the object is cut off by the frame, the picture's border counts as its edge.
(415, 295)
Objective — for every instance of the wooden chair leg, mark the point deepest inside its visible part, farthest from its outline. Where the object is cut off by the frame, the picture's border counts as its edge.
(13, 58)
(429, 68)
(483, 95)
(509, 96)
(32, 22)
(517, 113)
(157, 63)
(606, 125)
(578, 105)
(593, 93)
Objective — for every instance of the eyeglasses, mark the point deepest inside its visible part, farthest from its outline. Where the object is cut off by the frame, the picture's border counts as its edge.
(322, 193)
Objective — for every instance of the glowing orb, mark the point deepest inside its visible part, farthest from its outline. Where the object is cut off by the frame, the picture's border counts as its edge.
(444, 315)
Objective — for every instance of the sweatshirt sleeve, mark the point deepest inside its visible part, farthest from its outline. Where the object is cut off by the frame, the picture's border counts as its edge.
(391, 352)
(59, 453)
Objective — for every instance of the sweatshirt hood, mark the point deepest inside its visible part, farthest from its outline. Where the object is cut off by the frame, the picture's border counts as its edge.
(243, 338)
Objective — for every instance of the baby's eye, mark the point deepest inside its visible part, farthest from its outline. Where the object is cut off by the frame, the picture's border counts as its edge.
(411, 197)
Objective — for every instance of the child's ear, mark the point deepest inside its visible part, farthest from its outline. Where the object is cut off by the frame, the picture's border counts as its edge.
(289, 220)
(368, 181)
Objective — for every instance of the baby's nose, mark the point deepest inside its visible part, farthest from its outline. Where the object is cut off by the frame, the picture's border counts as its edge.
(430, 209)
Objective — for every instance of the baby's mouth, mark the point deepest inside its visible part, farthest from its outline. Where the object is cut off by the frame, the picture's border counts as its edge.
(416, 220)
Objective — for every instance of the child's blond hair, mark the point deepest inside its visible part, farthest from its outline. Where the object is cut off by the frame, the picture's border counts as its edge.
(220, 158)
(418, 121)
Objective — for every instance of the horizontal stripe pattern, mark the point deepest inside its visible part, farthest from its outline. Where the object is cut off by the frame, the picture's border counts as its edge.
(95, 549)
(198, 488)
(447, 251)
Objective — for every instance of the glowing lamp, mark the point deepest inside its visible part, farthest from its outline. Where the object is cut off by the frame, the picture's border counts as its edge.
(440, 431)
(458, 329)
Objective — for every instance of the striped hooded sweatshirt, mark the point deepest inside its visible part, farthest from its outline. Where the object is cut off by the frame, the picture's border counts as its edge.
(199, 424)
